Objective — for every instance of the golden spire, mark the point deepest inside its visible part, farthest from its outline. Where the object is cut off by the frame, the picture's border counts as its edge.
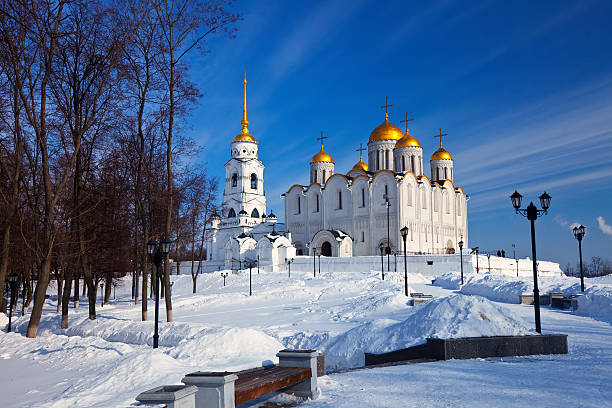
(441, 153)
(244, 121)
(322, 156)
(360, 164)
(386, 106)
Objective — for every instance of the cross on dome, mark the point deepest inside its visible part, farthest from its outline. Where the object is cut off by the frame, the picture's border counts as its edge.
(440, 136)
(406, 121)
(386, 106)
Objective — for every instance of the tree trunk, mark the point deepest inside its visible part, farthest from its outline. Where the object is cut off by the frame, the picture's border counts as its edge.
(66, 298)
(58, 278)
(91, 297)
(76, 289)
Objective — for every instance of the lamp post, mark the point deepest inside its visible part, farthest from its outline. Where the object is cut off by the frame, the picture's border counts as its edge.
(250, 264)
(289, 262)
(157, 254)
(394, 261)
(319, 255)
(489, 259)
(579, 233)
(532, 213)
(404, 232)
(388, 249)
(12, 280)
(382, 261)
(461, 257)
(475, 251)
(314, 260)
(515, 260)
(224, 274)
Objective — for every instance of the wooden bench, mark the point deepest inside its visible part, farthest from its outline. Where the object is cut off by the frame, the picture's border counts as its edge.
(296, 373)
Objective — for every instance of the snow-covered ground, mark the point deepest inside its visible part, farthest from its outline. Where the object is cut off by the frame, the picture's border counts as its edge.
(107, 362)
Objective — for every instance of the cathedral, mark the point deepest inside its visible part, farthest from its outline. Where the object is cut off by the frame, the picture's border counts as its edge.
(361, 212)
(243, 233)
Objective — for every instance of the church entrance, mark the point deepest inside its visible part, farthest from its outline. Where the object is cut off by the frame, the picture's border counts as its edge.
(326, 249)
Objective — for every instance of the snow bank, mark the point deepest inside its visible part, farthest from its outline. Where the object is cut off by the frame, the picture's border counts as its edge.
(449, 317)
(596, 303)
(449, 280)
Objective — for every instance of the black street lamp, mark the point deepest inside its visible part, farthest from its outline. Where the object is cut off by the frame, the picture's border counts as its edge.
(319, 255)
(388, 249)
(12, 280)
(579, 233)
(289, 262)
(382, 260)
(250, 264)
(404, 232)
(157, 254)
(314, 260)
(475, 251)
(461, 257)
(532, 213)
(515, 260)
(224, 274)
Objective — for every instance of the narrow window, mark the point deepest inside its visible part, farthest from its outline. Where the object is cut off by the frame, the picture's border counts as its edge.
(403, 163)
(378, 160)
(255, 213)
(362, 236)
(386, 195)
(254, 181)
(339, 200)
(445, 173)
(409, 193)
(323, 181)
(231, 213)
(412, 164)
(299, 205)
(437, 173)
(363, 197)
(234, 180)
(317, 198)
(386, 159)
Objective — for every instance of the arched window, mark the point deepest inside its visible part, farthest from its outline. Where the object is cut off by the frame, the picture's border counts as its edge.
(299, 205)
(323, 181)
(412, 164)
(409, 195)
(363, 197)
(231, 213)
(403, 163)
(254, 181)
(234, 180)
(378, 160)
(317, 202)
(445, 173)
(255, 213)
(386, 159)
(437, 173)
(339, 200)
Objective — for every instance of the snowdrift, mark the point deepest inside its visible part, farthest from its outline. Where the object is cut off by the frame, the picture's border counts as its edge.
(450, 317)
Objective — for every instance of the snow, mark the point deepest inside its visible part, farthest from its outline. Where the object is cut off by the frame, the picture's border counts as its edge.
(108, 361)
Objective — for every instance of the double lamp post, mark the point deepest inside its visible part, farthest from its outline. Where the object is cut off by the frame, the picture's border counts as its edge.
(532, 213)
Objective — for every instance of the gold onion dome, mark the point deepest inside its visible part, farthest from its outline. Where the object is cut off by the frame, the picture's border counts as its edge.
(322, 157)
(441, 154)
(386, 131)
(244, 135)
(360, 165)
(407, 141)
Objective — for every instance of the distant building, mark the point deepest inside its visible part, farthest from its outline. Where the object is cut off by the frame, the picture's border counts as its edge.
(346, 214)
(243, 231)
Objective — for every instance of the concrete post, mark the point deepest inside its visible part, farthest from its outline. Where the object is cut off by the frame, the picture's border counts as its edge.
(301, 358)
(215, 390)
(171, 396)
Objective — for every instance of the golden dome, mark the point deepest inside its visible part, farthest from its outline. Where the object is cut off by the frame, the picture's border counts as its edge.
(386, 131)
(360, 165)
(441, 154)
(322, 157)
(244, 137)
(407, 141)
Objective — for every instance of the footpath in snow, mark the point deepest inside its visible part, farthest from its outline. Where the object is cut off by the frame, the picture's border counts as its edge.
(108, 361)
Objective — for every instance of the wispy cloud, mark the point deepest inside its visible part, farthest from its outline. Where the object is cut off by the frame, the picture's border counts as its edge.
(603, 226)
(311, 34)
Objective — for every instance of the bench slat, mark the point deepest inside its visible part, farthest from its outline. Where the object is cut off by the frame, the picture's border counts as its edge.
(255, 384)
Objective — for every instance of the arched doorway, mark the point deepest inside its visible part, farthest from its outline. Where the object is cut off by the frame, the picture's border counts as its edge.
(326, 249)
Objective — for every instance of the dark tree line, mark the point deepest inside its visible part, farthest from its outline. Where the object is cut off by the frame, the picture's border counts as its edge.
(597, 266)
(94, 161)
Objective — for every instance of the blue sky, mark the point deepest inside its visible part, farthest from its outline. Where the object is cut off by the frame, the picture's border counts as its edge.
(524, 90)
